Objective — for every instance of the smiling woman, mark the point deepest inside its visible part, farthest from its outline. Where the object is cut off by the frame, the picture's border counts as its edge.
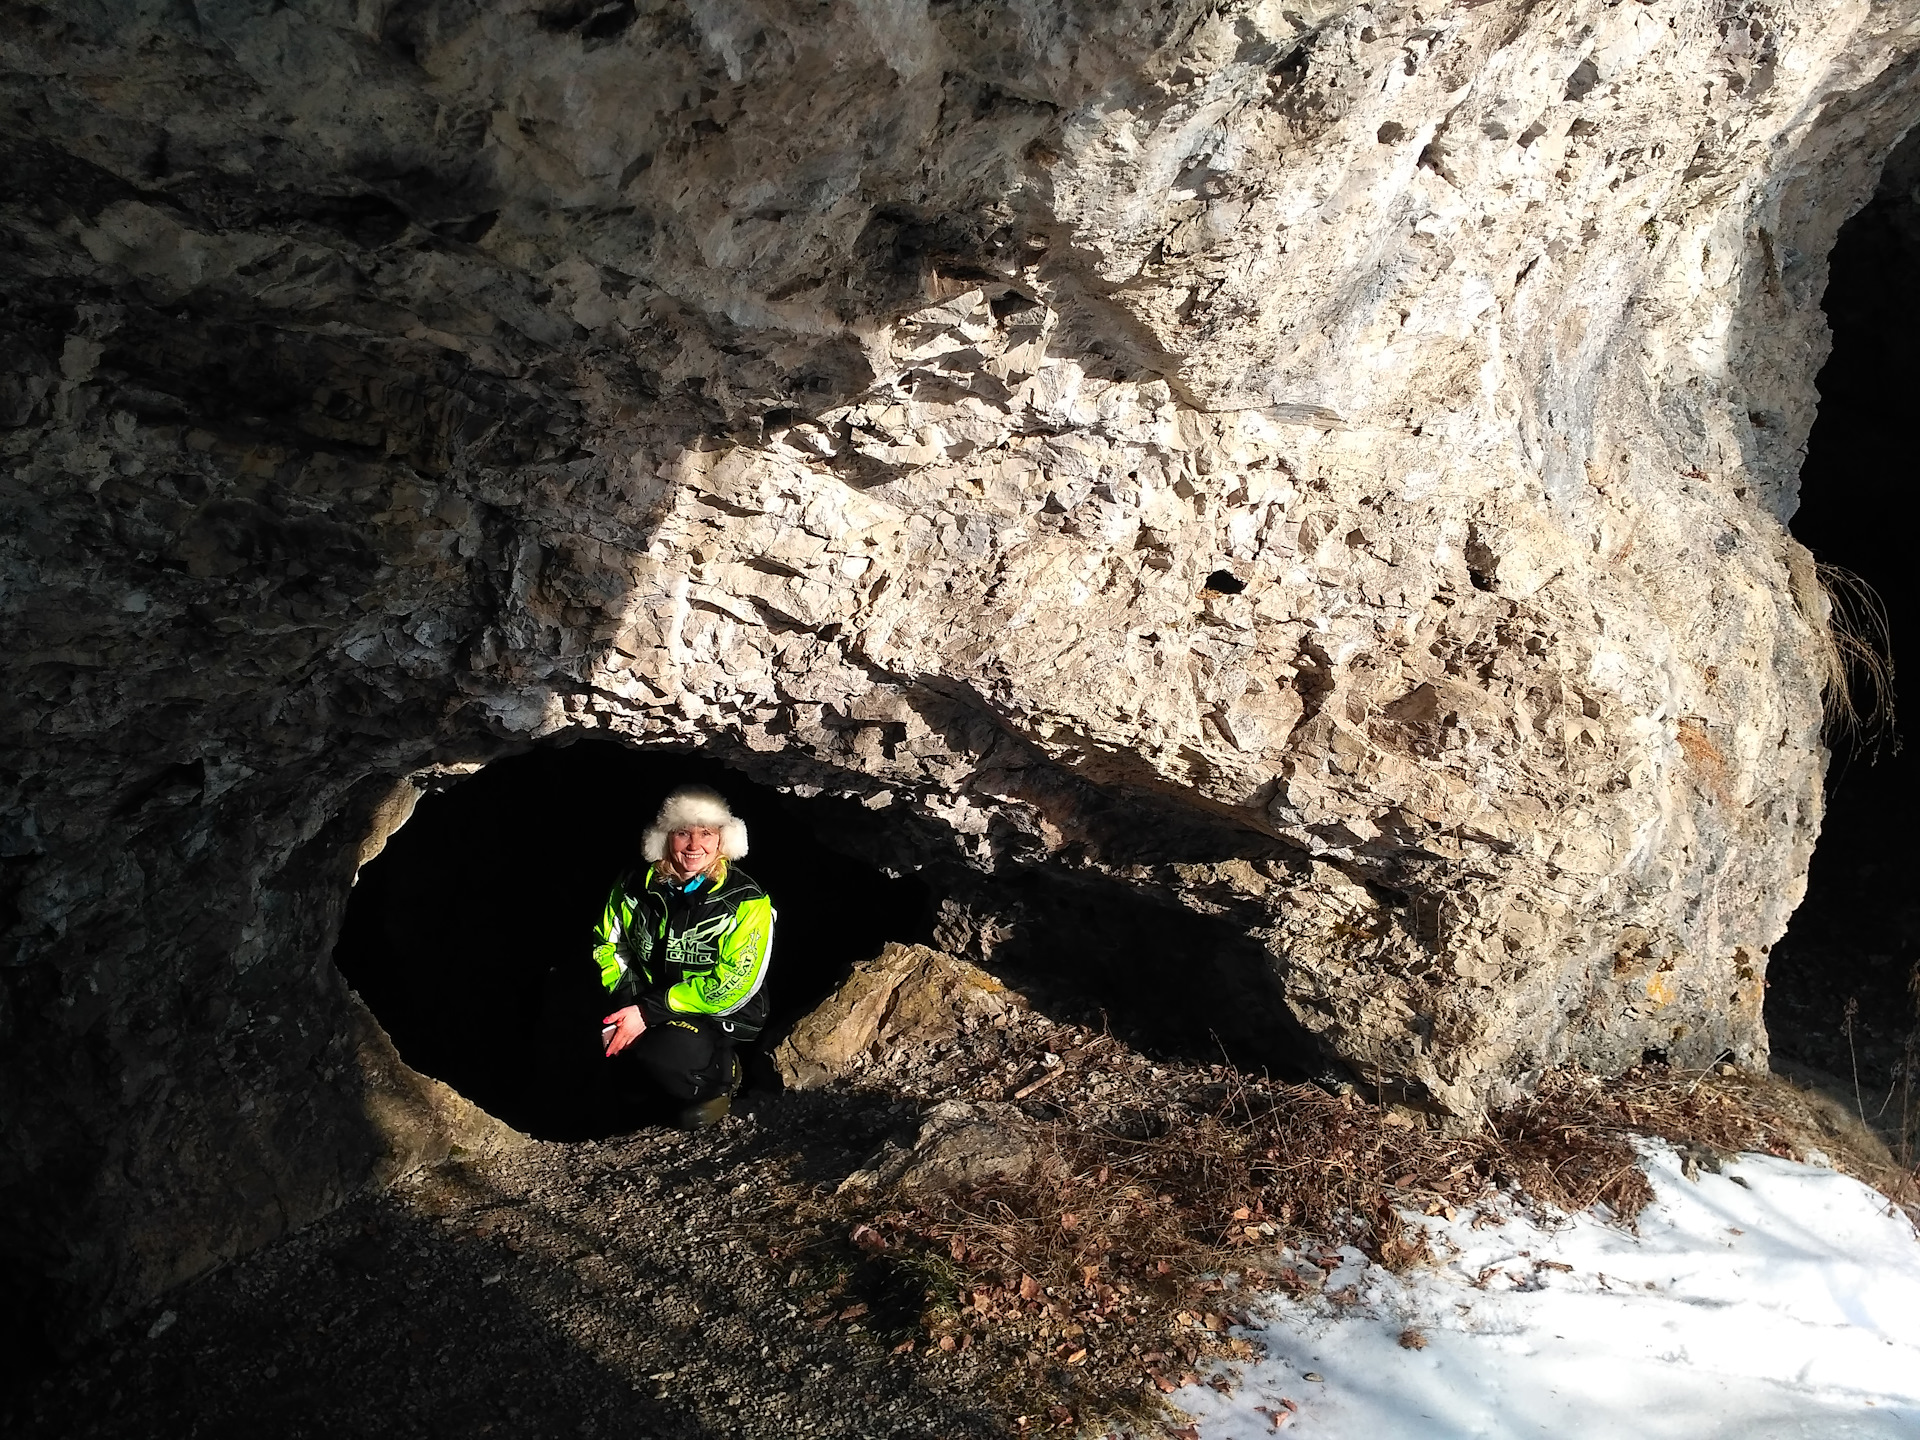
(684, 948)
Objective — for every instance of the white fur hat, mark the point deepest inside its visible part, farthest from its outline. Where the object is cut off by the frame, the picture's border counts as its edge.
(687, 807)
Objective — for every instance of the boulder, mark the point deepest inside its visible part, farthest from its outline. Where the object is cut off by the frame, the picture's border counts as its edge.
(906, 995)
(961, 1144)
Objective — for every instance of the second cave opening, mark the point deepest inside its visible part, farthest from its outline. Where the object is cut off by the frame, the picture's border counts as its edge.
(1845, 980)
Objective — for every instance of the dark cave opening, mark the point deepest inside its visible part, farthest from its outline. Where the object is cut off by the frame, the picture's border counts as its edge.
(1840, 980)
(1171, 983)
(469, 935)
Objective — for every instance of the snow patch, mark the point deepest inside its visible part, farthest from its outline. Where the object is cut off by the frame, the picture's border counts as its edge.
(1770, 1299)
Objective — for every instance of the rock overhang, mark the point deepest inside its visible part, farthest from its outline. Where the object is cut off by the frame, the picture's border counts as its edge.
(872, 402)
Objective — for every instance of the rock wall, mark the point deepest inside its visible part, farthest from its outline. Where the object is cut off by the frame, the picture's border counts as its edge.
(1323, 465)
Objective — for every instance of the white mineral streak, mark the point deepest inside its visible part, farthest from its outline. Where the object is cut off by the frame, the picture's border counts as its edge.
(868, 391)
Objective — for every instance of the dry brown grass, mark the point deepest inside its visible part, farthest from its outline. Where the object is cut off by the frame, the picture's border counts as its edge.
(1109, 1275)
(1858, 693)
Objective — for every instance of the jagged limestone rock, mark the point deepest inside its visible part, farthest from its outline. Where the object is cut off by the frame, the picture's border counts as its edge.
(1324, 466)
(906, 995)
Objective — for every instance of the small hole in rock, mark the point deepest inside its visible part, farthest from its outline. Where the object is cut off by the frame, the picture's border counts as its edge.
(1225, 582)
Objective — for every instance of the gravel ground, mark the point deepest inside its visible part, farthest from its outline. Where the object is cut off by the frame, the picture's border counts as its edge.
(614, 1288)
(619, 1287)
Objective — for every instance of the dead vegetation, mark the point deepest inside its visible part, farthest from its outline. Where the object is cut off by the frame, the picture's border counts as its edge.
(1115, 1270)
(1858, 688)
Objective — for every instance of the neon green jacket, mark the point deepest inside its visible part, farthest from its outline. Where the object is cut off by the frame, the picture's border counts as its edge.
(677, 951)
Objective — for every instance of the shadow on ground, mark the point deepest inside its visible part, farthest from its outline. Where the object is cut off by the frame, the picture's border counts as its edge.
(614, 1288)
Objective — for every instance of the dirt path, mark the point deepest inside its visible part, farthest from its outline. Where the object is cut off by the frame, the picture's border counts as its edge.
(618, 1288)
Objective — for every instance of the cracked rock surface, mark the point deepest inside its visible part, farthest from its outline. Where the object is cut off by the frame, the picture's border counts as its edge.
(1324, 467)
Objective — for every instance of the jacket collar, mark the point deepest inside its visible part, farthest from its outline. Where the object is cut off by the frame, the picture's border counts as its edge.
(657, 875)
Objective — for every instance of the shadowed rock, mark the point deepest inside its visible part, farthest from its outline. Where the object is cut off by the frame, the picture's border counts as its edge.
(961, 1144)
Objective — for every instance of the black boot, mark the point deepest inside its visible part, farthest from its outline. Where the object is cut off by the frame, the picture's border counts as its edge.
(711, 1111)
(702, 1113)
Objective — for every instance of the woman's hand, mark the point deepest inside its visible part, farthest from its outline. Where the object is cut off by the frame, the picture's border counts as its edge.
(628, 1025)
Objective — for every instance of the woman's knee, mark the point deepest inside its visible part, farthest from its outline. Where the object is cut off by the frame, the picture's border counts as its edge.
(676, 1056)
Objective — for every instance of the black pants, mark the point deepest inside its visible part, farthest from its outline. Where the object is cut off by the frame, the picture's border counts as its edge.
(688, 1058)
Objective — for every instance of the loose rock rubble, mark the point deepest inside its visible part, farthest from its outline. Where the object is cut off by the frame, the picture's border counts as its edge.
(660, 1283)
(904, 995)
(961, 1145)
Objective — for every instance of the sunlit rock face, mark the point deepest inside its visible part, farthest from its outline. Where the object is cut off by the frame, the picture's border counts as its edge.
(1324, 467)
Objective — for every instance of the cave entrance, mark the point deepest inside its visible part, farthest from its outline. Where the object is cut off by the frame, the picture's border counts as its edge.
(468, 936)
(1839, 993)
